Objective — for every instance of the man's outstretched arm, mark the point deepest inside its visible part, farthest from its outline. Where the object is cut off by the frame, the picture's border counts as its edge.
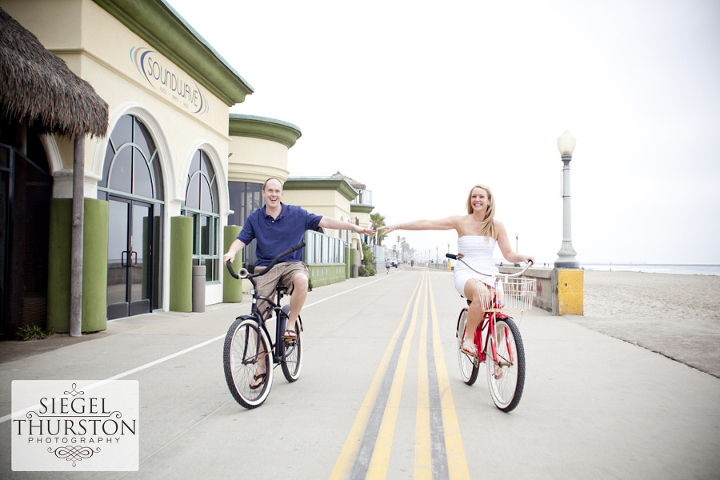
(329, 222)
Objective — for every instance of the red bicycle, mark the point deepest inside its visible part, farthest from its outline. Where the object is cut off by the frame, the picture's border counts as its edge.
(498, 339)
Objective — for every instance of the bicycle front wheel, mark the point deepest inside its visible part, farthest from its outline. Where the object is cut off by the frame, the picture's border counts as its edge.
(468, 367)
(292, 352)
(247, 362)
(506, 376)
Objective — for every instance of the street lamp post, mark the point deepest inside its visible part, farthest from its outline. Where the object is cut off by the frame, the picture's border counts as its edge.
(566, 255)
(517, 235)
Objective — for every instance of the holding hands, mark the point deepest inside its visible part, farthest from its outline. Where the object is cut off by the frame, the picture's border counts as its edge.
(389, 228)
(366, 231)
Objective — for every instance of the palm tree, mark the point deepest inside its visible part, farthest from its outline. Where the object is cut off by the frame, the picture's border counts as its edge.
(376, 221)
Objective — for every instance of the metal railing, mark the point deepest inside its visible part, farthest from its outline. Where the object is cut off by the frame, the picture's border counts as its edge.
(323, 249)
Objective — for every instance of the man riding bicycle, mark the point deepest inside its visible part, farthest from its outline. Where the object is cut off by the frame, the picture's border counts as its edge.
(277, 227)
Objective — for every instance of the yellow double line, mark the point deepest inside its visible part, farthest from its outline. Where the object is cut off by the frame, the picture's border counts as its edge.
(438, 444)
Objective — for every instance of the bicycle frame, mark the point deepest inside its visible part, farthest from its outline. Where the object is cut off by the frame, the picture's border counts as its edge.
(487, 326)
(274, 306)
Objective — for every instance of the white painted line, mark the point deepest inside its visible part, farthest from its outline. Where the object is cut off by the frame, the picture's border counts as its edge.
(174, 355)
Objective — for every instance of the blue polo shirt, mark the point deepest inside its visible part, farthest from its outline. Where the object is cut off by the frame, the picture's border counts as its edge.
(275, 235)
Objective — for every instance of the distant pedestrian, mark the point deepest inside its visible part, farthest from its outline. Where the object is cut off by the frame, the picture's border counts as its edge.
(387, 266)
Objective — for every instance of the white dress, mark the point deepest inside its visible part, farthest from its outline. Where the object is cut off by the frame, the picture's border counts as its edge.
(478, 252)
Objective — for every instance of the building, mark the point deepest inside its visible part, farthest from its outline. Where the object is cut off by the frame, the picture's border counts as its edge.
(162, 182)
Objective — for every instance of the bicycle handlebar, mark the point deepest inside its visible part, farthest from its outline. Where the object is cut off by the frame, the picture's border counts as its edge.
(459, 258)
(243, 273)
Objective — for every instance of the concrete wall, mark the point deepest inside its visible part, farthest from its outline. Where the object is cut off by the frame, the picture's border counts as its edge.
(558, 291)
(326, 274)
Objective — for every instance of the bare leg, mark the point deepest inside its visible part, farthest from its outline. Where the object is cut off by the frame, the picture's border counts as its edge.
(479, 295)
(297, 299)
(260, 372)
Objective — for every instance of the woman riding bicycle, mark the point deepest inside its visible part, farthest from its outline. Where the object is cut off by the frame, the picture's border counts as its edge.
(478, 233)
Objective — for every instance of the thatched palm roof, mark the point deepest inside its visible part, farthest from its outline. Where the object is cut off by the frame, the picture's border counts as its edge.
(37, 86)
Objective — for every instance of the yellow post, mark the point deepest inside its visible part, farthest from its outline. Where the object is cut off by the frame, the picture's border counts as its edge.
(570, 292)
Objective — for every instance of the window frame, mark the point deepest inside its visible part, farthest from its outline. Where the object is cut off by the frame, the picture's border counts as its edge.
(205, 248)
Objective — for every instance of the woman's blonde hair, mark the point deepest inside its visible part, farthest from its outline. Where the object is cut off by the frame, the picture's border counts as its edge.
(488, 227)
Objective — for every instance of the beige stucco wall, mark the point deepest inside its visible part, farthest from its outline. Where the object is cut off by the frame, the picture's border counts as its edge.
(364, 218)
(255, 160)
(320, 202)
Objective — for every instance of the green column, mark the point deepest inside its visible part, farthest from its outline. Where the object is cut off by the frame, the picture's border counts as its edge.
(181, 245)
(232, 288)
(95, 262)
(353, 263)
(348, 265)
(94, 285)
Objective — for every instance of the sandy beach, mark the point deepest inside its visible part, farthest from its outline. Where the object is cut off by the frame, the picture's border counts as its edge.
(675, 315)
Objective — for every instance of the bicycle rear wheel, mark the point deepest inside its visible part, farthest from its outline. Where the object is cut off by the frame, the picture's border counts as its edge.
(245, 353)
(292, 351)
(506, 377)
(468, 367)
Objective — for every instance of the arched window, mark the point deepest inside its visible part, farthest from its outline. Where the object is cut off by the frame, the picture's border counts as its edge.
(131, 162)
(201, 204)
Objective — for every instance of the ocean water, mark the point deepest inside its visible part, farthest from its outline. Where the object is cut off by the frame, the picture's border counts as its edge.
(655, 268)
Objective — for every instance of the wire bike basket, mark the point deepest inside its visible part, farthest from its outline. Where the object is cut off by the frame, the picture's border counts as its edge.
(515, 294)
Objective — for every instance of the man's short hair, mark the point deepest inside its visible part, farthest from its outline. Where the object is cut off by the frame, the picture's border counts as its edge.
(272, 178)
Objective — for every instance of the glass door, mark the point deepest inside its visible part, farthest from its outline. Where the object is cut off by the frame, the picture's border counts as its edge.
(139, 262)
(129, 257)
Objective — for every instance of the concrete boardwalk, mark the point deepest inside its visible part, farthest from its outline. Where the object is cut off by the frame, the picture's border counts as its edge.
(593, 407)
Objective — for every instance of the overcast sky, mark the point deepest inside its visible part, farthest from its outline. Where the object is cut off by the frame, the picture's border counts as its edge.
(421, 100)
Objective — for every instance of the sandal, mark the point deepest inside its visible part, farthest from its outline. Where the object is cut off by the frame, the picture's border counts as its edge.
(469, 348)
(289, 335)
(261, 377)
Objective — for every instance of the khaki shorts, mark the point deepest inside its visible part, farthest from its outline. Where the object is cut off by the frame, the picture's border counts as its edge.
(280, 273)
